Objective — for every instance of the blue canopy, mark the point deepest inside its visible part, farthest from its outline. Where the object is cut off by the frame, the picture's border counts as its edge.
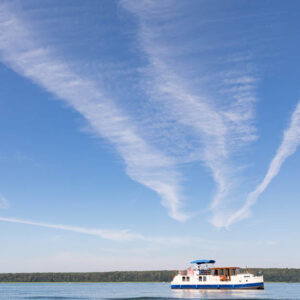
(203, 261)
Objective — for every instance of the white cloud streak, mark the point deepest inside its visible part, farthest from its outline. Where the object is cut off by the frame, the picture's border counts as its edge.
(121, 235)
(218, 128)
(20, 50)
(288, 146)
(114, 235)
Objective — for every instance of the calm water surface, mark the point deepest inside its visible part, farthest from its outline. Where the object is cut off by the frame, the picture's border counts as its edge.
(137, 291)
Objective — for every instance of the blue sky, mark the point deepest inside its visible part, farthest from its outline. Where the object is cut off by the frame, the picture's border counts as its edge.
(143, 134)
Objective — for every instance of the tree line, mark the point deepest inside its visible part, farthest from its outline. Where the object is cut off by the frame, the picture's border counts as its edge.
(278, 274)
(270, 275)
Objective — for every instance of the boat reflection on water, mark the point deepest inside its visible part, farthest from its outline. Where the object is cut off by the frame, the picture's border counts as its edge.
(218, 294)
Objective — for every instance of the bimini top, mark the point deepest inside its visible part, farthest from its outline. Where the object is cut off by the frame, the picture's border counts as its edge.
(203, 261)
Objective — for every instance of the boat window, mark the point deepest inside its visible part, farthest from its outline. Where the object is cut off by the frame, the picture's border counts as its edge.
(183, 278)
(232, 272)
(216, 272)
(221, 272)
(227, 272)
(204, 278)
(200, 278)
(187, 278)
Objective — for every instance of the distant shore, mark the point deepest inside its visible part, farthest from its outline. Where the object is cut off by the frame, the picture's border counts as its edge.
(270, 275)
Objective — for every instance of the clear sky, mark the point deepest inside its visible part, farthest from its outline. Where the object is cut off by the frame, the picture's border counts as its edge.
(144, 134)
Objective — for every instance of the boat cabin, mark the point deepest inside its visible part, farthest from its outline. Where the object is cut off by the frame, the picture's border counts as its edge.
(224, 273)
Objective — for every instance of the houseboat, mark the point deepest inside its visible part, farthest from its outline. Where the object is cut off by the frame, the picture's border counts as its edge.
(204, 275)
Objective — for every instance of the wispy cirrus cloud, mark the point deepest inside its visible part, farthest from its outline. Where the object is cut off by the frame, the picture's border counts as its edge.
(117, 235)
(211, 100)
(288, 146)
(114, 235)
(194, 107)
(20, 50)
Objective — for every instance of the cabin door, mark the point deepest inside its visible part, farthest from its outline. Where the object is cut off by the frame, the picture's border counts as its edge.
(227, 274)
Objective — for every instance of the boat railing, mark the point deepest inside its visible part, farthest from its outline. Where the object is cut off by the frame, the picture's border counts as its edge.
(244, 271)
(191, 271)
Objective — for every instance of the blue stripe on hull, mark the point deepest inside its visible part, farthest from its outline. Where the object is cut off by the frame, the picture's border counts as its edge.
(258, 285)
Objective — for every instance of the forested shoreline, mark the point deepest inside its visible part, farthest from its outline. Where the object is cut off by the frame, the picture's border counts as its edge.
(270, 275)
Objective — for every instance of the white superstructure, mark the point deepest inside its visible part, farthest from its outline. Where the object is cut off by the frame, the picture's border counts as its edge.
(200, 276)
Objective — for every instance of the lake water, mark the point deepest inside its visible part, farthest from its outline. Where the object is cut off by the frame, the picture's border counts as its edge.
(137, 291)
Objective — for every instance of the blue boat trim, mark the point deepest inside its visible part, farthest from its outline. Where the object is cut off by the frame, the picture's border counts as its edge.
(203, 261)
(217, 286)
